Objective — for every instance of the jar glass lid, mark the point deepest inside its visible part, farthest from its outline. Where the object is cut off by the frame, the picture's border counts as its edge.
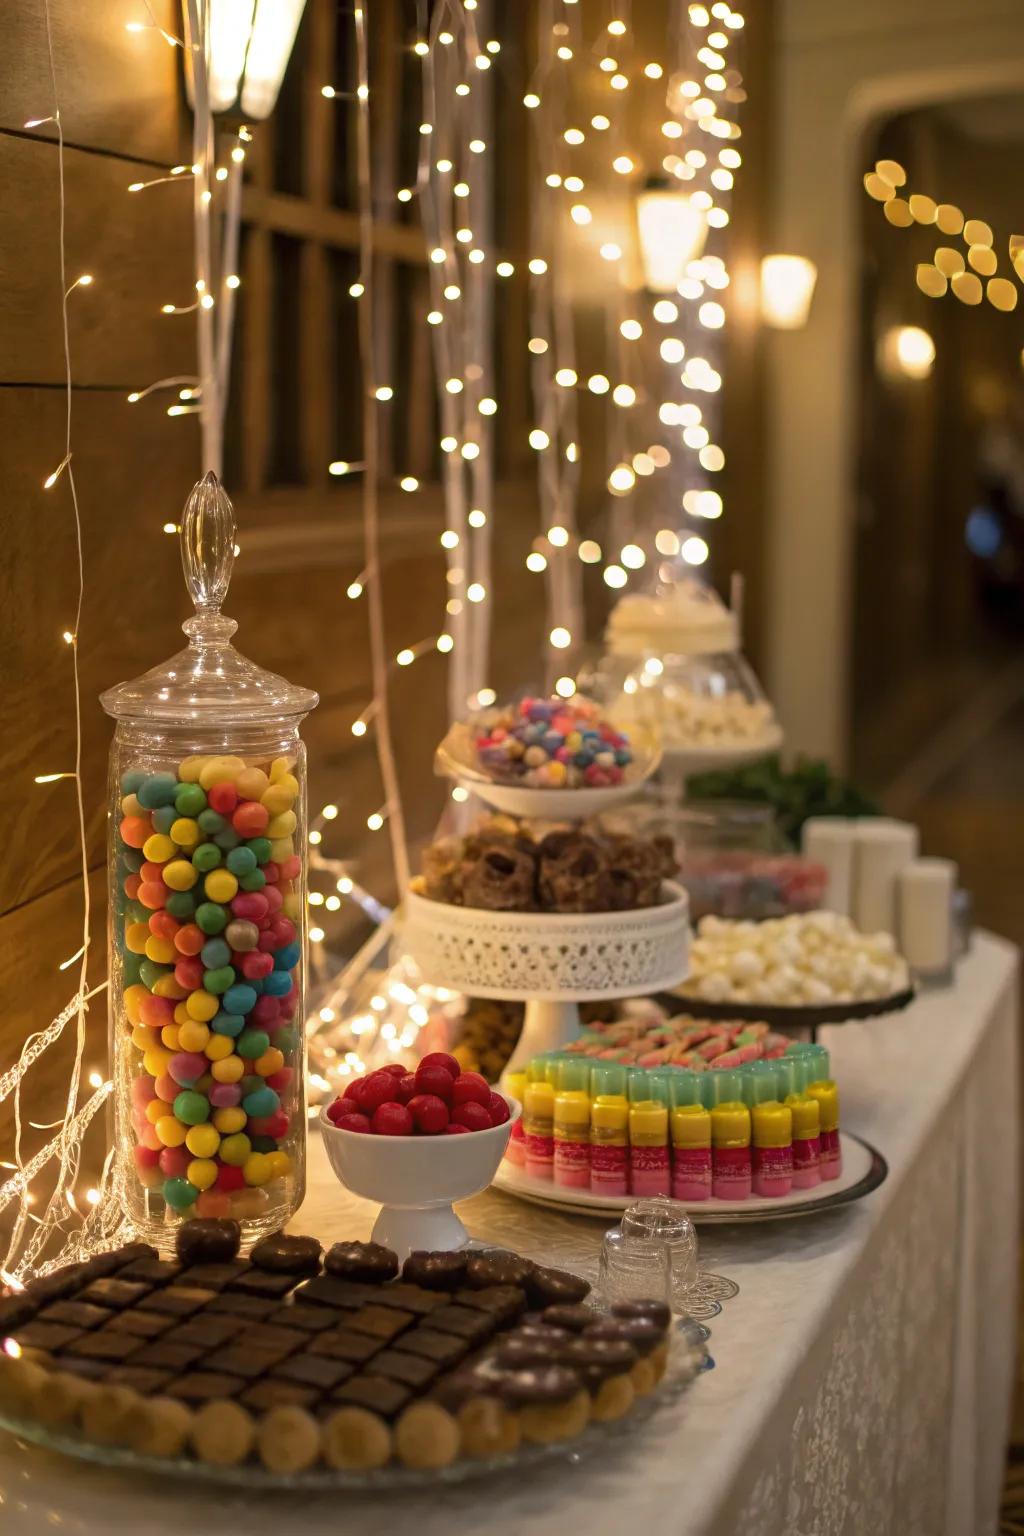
(209, 680)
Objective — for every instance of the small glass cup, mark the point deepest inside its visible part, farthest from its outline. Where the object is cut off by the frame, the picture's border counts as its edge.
(633, 1269)
(665, 1221)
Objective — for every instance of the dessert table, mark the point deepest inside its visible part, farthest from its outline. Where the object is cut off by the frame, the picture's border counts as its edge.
(862, 1376)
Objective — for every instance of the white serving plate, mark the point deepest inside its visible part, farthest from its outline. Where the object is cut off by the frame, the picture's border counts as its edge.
(863, 1170)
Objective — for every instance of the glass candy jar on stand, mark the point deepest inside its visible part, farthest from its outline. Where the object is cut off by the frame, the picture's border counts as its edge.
(206, 925)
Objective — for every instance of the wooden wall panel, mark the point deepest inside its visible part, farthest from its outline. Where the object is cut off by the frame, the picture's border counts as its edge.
(119, 91)
(137, 248)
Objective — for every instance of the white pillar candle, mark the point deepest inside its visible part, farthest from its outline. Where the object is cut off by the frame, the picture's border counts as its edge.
(925, 907)
(830, 841)
(884, 846)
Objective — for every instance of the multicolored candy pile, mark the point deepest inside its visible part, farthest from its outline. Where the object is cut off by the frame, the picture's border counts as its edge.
(553, 744)
(209, 928)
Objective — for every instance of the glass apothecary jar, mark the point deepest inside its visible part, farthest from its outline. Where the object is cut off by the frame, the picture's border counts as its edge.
(206, 926)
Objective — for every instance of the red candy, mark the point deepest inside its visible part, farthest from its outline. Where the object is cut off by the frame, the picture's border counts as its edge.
(405, 1087)
(276, 1125)
(151, 871)
(146, 1157)
(188, 973)
(377, 1089)
(131, 886)
(290, 868)
(442, 1059)
(252, 905)
(497, 1109)
(250, 819)
(273, 898)
(153, 894)
(436, 1080)
(473, 1116)
(453, 1128)
(429, 1113)
(354, 1122)
(163, 925)
(470, 1088)
(267, 1011)
(256, 964)
(279, 1080)
(229, 1178)
(392, 1120)
(155, 1012)
(222, 798)
(174, 1162)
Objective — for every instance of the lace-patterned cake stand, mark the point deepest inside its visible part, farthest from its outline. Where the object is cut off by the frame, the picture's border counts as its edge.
(551, 961)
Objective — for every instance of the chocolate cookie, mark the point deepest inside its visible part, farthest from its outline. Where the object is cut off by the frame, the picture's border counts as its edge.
(566, 1315)
(285, 1255)
(437, 1271)
(501, 879)
(658, 1311)
(367, 1263)
(548, 1384)
(208, 1240)
(572, 873)
(598, 1358)
(641, 1332)
(548, 1287)
(486, 1269)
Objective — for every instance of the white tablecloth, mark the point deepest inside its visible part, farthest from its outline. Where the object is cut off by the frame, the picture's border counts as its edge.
(863, 1373)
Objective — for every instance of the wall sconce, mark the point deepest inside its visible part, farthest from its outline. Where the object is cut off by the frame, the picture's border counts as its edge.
(906, 351)
(672, 234)
(787, 288)
(250, 45)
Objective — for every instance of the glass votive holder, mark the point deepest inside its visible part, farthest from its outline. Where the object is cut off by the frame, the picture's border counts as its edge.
(665, 1221)
(633, 1269)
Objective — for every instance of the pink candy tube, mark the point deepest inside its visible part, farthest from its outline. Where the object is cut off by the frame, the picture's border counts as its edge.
(772, 1170)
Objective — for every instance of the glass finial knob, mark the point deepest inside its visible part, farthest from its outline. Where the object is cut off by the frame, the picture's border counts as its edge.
(208, 544)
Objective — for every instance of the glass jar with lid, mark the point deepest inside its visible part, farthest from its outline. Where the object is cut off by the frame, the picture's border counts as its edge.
(206, 926)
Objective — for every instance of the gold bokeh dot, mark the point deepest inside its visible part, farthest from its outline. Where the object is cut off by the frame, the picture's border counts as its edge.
(949, 261)
(923, 208)
(949, 218)
(967, 287)
(897, 211)
(1017, 255)
(983, 259)
(1001, 293)
(892, 172)
(875, 186)
(977, 232)
(930, 280)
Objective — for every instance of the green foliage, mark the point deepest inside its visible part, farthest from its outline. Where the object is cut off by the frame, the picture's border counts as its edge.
(809, 788)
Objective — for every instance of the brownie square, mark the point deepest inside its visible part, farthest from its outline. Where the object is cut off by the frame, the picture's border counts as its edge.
(106, 1344)
(249, 1308)
(204, 1386)
(89, 1370)
(63, 1282)
(373, 1392)
(110, 1292)
(263, 1395)
(46, 1335)
(444, 1348)
(77, 1314)
(503, 1302)
(382, 1322)
(272, 1336)
(345, 1345)
(205, 1330)
(180, 1300)
(140, 1323)
(261, 1282)
(313, 1371)
(151, 1271)
(307, 1319)
(214, 1276)
(411, 1370)
(15, 1312)
(173, 1357)
(102, 1264)
(468, 1323)
(145, 1379)
(326, 1291)
(411, 1298)
(239, 1360)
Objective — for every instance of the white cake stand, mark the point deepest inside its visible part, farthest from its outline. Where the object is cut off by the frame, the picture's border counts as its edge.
(551, 961)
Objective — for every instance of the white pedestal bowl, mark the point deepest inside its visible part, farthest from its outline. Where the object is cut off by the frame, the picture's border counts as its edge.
(415, 1179)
